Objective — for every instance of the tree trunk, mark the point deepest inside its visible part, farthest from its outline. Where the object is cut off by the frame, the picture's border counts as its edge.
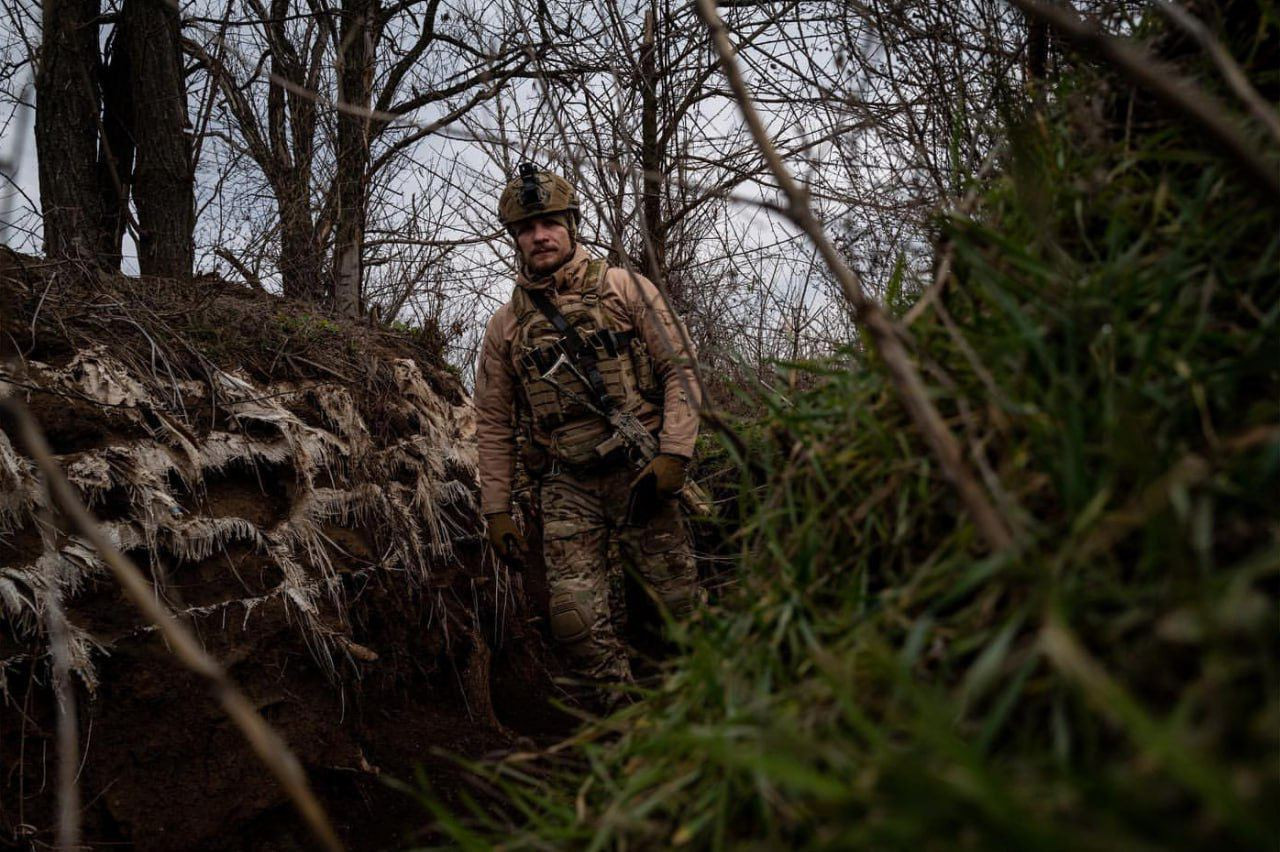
(355, 88)
(115, 149)
(300, 266)
(291, 127)
(163, 185)
(1037, 52)
(655, 265)
(67, 130)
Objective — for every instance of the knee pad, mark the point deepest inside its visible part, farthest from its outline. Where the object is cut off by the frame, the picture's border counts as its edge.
(570, 618)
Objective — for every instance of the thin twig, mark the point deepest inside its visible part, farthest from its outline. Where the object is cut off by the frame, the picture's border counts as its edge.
(245, 272)
(68, 833)
(265, 742)
(1227, 66)
(870, 316)
(1171, 87)
(961, 210)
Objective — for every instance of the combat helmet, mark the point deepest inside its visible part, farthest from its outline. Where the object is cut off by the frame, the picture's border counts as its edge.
(536, 192)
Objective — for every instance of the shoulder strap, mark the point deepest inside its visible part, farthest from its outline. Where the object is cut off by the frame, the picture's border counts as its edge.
(593, 293)
(520, 303)
(595, 275)
(582, 352)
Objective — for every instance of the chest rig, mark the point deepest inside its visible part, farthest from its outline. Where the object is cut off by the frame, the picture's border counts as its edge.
(557, 399)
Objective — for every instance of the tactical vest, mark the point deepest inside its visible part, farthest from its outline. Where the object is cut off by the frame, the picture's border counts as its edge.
(555, 395)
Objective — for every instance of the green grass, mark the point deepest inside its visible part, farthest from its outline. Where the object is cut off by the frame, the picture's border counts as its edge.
(876, 681)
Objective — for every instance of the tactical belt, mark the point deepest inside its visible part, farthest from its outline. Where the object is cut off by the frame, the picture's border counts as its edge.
(590, 468)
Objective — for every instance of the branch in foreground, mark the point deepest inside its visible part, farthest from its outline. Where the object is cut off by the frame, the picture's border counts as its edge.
(1164, 81)
(870, 316)
(266, 743)
(1231, 71)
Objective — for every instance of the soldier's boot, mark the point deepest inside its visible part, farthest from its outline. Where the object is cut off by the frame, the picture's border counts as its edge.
(679, 599)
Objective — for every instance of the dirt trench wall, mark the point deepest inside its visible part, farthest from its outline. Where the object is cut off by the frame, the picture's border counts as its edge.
(320, 535)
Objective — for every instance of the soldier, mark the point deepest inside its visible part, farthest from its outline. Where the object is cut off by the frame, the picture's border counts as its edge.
(618, 345)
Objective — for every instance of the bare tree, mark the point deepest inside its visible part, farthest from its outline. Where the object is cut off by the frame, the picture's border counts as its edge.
(355, 88)
(337, 115)
(350, 152)
(163, 190)
(67, 130)
(115, 148)
(109, 129)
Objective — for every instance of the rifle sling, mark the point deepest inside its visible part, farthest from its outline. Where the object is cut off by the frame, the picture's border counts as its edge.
(582, 352)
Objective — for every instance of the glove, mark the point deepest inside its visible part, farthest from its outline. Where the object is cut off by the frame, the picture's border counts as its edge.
(656, 481)
(506, 539)
(668, 472)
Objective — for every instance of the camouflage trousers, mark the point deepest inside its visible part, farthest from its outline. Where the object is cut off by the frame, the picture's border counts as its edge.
(589, 548)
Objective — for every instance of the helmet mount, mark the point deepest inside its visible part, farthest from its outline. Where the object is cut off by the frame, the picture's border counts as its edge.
(536, 192)
(532, 195)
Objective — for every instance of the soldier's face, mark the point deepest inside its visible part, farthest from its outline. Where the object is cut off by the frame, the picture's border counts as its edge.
(544, 244)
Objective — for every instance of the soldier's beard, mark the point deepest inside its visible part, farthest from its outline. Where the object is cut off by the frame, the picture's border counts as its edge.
(545, 263)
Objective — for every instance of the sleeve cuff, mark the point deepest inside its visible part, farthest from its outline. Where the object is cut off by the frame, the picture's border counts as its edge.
(494, 506)
(683, 449)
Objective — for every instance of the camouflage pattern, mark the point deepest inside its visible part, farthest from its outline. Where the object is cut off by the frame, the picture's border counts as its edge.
(629, 303)
(589, 549)
(561, 408)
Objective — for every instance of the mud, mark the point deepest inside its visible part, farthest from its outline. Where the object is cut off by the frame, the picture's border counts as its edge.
(347, 593)
(163, 769)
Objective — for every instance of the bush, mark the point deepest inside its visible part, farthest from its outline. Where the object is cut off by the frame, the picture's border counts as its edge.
(1108, 351)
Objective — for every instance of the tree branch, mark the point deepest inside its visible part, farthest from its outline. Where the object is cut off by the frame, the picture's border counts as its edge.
(1167, 84)
(883, 332)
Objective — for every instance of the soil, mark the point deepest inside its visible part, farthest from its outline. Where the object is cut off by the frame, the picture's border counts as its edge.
(425, 667)
(164, 769)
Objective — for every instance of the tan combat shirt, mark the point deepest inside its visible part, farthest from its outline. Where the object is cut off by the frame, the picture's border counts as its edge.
(632, 303)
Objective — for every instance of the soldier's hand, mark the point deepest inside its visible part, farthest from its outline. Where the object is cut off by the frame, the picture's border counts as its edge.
(668, 472)
(506, 539)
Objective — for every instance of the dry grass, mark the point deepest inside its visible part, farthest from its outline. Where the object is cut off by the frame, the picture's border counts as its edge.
(151, 389)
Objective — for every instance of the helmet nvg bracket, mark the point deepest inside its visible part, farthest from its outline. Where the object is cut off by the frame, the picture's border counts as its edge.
(532, 195)
(536, 192)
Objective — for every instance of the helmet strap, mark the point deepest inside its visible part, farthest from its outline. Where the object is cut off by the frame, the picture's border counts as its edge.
(569, 222)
